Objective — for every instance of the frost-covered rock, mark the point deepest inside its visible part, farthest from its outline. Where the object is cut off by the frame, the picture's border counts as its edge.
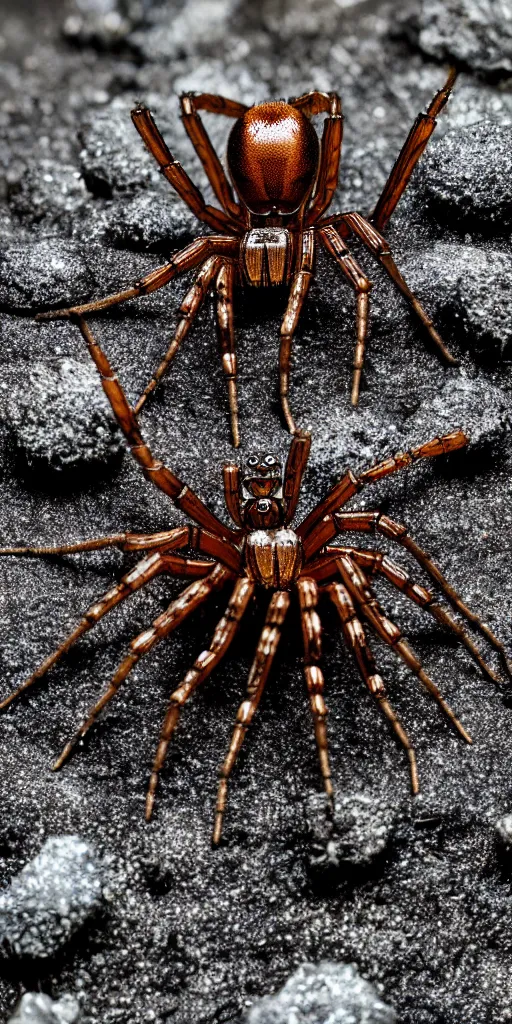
(51, 898)
(324, 993)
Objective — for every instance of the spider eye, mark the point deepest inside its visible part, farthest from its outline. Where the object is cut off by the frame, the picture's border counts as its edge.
(264, 505)
(252, 461)
(270, 460)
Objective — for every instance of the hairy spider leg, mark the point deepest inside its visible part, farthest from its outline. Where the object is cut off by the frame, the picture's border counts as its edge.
(374, 521)
(265, 652)
(409, 155)
(376, 562)
(163, 478)
(356, 277)
(201, 669)
(377, 245)
(189, 309)
(176, 175)
(298, 291)
(312, 641)
(202, 144)
(142, 573)
(225, 285)
(358, 586)
(179, 609)
(194, 254)
(318, 528)
(357, 643)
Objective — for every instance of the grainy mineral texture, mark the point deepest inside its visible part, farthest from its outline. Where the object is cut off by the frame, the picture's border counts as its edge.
(415, 894)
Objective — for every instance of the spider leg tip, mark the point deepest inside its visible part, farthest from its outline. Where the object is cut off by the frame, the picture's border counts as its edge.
(53, 314)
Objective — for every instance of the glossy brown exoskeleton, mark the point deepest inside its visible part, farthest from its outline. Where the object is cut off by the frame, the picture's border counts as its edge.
(264, 555)
(285, 179)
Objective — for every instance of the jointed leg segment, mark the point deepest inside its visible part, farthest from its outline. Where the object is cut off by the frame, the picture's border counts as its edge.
(174, 615)
(356, 583)
(201, 669)
(265, 652)
(189, 309)
(312, 640)
(298, 291)
(361, 285)
(356, 641)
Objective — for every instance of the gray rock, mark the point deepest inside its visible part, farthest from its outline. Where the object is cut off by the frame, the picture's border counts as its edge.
(324, 993)
(504, 830)
(465, 177)
(42, 274)
(48, 192)
(60, 417)
(468, 290)
(199, 25)
(356, 835)
(148, 222)
(103, 23)
(38, 1008)
(475, 32)
(113, 157)
(51, 899)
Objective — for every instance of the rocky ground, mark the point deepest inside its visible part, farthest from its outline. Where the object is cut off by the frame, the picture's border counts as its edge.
(137, 922)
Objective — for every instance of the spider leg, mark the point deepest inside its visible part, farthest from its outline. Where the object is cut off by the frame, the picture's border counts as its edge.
(296, 463)
(357, 584)
(226, 332)
(142, 572)
(319, 526)
(298, 291)
(396, 531)
(124, 541)
(312, 640)
(189, 599)
(197, 252)
(201, 669)
(175, 173)
(265, 652)
(409, 155)
(361, 285)
(182, 496)
(355, 638)
(327, 178)
(202, 144)
(380, 248)
(376, 562)
(189, 309)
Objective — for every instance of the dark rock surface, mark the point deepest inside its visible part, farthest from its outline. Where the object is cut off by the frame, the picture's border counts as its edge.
(190, 935)
(324, 993)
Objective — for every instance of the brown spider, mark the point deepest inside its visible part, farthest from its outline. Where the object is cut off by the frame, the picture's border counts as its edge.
(263, 551)
(285, 182)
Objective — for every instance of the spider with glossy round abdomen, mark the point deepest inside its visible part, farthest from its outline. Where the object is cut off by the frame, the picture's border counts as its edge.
(285, 179)
(264, 553)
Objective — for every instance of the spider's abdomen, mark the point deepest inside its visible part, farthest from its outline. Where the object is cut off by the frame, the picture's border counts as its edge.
(273, 558)
(273, 153)
(266, 255)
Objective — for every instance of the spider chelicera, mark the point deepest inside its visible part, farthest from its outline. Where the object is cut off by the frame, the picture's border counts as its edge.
(263, 552)
(285, 180)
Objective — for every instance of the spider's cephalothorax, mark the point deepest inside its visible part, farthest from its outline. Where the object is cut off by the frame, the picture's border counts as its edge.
(273, 554)
(267, 230)
(298, 567)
